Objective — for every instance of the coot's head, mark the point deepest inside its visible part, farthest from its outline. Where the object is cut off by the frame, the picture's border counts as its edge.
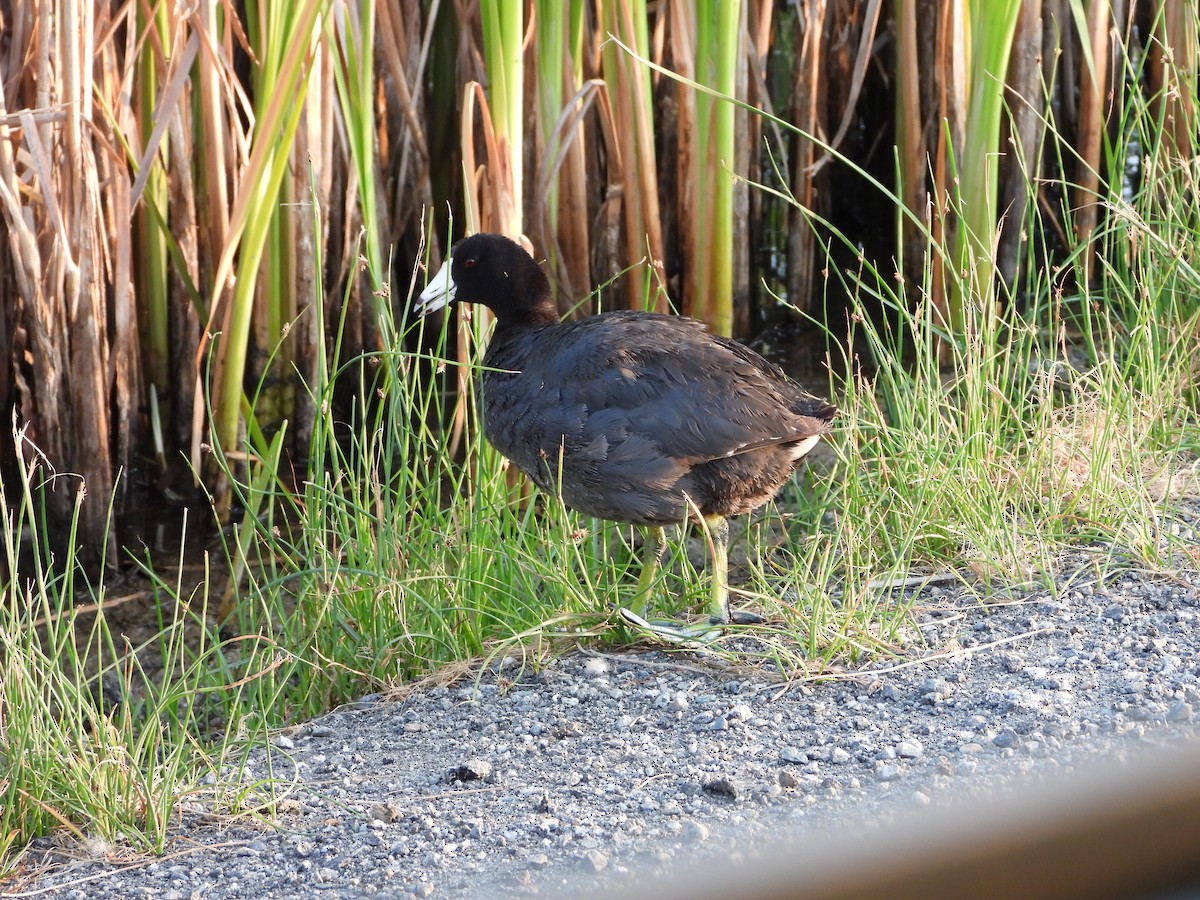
(497, 272)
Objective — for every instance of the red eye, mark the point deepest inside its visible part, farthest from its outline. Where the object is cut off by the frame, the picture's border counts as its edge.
(468, 263)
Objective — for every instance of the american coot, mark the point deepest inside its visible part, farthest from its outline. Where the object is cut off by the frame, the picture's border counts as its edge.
(629, 416)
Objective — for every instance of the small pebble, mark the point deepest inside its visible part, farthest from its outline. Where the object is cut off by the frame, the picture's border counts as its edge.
(471, 770)
(722, 787)
(910, 749)
(1006, 739)
(740, 713)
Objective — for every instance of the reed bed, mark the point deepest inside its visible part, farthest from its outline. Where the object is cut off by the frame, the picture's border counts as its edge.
(156, 165)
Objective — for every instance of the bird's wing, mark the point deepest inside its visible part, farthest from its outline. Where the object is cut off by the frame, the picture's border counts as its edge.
(666, 381)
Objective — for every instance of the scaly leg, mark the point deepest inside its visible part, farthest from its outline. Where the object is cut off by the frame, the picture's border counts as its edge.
(718, 604)
(664, 629)
(719, 612)
(653, 544)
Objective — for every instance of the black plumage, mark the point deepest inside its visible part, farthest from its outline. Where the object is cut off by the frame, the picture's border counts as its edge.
(637, 417)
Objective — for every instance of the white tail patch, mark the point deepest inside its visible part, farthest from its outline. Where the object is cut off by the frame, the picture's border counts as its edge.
(804, 446)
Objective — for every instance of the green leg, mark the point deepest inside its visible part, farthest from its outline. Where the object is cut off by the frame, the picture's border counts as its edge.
(719, 612)
(718, 609)
(653, 544)
(718, 604)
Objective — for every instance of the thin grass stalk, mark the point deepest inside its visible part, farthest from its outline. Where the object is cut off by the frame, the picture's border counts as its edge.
(846, 13)
(569, 165)
(125, 382)
(77, 265)
(311, 180)
(730, 264)
(483, 198)
(271, 308)
(756, 224)
(182, 239)
(551, 61)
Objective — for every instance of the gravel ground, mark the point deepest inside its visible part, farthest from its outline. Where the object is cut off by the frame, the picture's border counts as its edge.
(598, 767)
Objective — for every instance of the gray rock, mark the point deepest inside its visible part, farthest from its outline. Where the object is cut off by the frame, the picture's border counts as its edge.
(471, 770)
(385, 812)
(910, 749)
(1006, 739)
(723, 787)
(740, 713)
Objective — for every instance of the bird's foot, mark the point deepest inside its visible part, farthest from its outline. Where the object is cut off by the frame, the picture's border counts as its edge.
(671, 631)
(737, 617)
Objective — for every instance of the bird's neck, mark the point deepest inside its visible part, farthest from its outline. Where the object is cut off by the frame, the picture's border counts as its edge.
(543, 313)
